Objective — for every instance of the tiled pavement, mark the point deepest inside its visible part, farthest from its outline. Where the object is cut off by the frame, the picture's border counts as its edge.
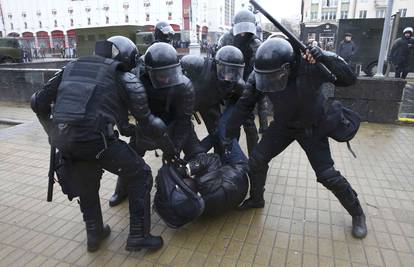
(301, 225)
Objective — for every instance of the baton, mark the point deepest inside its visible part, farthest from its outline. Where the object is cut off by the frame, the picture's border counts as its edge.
(296, 42)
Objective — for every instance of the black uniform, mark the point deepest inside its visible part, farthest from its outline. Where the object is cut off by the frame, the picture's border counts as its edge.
(298, 110)
(92, 95)
(400, 55)
(248, 46)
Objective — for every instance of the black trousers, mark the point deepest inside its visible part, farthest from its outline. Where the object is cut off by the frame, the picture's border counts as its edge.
(401, 71)
(277, 138)
(118, 158)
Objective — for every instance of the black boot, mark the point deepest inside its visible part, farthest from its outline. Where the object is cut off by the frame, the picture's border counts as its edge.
(95, 229)
(258, 173)
(96, 232)
(359, 227)
(120, 194)
(140, 237)
(140, 218)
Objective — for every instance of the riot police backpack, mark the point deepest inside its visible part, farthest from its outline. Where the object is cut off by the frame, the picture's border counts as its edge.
(341, 123)
(175, 202)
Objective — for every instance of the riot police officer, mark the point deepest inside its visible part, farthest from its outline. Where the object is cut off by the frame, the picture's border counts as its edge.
(216, 81)
(163, 32)
(292, 85)
(91, 95)
(171, 97)
(243, 36)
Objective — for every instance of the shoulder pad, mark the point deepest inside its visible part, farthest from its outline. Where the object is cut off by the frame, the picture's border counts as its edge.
(128, 77)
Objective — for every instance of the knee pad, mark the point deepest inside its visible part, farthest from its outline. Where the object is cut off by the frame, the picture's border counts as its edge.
(333, 180)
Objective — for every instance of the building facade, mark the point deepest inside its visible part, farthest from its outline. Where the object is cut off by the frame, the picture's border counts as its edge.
(320, 18)
(51, 23)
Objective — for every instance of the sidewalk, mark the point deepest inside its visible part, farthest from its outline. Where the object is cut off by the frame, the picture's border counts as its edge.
(302, 223)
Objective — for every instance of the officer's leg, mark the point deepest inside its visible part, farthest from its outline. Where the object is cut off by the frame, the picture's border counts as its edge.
(319, 154)
(121, 188)
(262, 112)
(397, 72)
(210, 117)
(90, 175)
(272, 143)
(192, 146)
(121, 159)
(252, 136)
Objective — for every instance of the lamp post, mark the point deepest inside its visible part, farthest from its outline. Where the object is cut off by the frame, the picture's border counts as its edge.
(384, 40)
(194, 46)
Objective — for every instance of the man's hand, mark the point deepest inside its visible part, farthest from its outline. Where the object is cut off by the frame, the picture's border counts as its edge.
(313, 54)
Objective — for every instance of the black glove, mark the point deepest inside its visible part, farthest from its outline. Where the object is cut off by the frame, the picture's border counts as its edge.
(317, 53)
(128, 130)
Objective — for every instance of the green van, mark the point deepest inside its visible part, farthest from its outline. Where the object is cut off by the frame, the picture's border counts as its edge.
(10, 50)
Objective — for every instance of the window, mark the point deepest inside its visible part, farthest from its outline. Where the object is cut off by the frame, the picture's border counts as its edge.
(147, 17)
(10, 16)
(170, 15)
(403, 12)
(344, 1)
(362, 14)
(24, 14)
(147, 3)
(106, 7)
(56, 23)
(380, 13)
(169, 2)
(71, 22)
(70, 10)
(315, 1)
(363, 1)
(54, 12)
(330, 3)
(125, 5)
(89, 21)
(40, 24)
(126, 18)
(38, 13)
(344, 14)
(25, 25)
(329, 15)
(314, 15)
(88, 9)
(107, 20)
(11, 26)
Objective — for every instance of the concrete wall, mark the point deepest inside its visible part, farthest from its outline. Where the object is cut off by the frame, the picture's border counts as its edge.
(18, 85)
(376, 100)
(56, 64)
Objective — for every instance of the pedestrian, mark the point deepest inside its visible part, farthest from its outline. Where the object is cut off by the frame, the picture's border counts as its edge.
(347, 48)
(400, 52)
(91, 95)
(299, 115)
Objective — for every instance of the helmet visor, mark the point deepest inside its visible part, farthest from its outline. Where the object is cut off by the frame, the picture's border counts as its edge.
(244, 27)
(167, 30)
(230, 72)
(166, 76)
(272, 81)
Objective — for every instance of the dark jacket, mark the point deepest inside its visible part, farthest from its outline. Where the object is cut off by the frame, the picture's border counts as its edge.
(110, 104)
(301, 104)
(400, 51)
(174, 105)
(346, 50)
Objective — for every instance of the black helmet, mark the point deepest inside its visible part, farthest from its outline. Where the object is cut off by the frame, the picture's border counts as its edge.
(163, 65)
(163, 32)
(230, 64)
(192, 65)
(273, 62)
(244, 21)
(119, 48)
